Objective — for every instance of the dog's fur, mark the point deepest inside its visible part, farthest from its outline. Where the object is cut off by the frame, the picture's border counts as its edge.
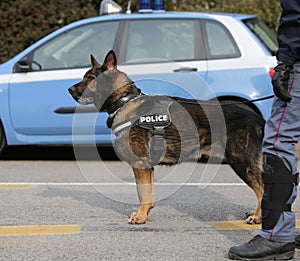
(241, 139)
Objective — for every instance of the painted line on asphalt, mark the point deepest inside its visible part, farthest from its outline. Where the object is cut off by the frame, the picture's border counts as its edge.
(39, 230)
(4, 184)
(16, 186)
(234, 225)
(240, 225)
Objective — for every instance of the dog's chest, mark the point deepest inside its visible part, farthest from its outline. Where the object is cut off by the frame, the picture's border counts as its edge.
(150, 114)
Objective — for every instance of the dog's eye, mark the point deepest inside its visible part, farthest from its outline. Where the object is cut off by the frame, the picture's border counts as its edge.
(90, 77)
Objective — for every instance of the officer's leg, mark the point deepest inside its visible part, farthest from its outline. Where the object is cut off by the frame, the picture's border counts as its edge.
(281, 134)
(278, 221)
(280, 191)
(276, 238)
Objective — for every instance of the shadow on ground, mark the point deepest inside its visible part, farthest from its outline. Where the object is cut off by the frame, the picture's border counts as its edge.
(54, 153)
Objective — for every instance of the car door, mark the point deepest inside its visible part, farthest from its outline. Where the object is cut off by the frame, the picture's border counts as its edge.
(40, 104)
(165, 56)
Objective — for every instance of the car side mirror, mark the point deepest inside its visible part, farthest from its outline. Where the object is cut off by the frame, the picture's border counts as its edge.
(22, 66)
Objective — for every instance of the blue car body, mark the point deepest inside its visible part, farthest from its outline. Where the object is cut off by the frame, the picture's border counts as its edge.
(33, 104)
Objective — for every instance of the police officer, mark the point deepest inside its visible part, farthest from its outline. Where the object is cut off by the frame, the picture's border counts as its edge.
(276, 239)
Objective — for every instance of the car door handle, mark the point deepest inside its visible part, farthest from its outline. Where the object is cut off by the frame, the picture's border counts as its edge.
(78, 109)
(186, 69)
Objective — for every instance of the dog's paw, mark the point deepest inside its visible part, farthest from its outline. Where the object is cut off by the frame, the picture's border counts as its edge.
(251, 218)
(136, 218)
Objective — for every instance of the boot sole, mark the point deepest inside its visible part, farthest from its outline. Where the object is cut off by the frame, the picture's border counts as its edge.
(284, 256)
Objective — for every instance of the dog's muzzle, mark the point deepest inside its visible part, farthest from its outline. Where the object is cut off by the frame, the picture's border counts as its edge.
(72, 90)
(79, 96)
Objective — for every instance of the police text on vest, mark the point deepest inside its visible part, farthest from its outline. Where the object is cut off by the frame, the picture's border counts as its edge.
(154, 118)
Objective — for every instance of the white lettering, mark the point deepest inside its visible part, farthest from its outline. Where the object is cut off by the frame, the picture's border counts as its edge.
(154, 118)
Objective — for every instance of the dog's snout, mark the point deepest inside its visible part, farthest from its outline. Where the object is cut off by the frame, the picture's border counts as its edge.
(72, 89)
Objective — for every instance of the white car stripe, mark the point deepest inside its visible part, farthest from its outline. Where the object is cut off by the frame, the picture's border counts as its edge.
(47, 75)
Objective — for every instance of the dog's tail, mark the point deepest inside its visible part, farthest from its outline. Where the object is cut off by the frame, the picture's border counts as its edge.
(260, 127)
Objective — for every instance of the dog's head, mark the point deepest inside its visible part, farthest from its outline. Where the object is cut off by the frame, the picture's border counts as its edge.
(102, 84)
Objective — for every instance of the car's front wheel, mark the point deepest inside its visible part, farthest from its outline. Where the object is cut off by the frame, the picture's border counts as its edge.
(2, 138)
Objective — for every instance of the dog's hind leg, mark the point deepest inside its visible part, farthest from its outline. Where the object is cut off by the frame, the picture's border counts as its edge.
(145, 188)
(252, 176)
(254, 181)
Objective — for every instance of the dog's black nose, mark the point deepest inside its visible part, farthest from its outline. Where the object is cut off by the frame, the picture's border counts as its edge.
(72, 90)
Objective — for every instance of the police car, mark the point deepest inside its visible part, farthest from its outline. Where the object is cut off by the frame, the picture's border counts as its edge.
(192, 55)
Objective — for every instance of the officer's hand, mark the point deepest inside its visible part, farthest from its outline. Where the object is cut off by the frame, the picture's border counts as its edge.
(280, 81)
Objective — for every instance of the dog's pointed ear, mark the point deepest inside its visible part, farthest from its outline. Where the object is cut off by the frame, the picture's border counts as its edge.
(94, 61)
(110, 60)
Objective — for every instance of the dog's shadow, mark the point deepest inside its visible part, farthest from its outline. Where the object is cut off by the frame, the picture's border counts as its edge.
(208, 204)
(188, 202)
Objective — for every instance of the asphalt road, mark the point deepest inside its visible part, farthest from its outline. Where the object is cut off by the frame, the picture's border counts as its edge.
(56, 208)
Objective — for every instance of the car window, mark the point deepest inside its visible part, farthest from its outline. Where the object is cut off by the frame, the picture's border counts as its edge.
(72, 49)
(266, 36)
(220, 43)
(170, 39)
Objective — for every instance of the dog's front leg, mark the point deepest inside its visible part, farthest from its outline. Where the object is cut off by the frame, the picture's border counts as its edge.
(145, 188)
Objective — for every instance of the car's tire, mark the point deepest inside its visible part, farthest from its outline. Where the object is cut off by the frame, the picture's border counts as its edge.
(241, 104)
(2, 138)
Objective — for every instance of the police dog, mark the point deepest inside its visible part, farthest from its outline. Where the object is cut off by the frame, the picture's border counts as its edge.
(152, 130)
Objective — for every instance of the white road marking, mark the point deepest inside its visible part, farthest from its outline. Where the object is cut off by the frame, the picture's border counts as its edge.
(112, 184)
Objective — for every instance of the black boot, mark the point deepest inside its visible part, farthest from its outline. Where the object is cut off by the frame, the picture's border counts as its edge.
(260, 248)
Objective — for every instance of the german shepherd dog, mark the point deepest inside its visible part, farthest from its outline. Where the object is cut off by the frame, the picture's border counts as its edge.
(112, 91)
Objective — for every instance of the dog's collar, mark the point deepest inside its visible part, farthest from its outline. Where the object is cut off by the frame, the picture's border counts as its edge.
(119, 103)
